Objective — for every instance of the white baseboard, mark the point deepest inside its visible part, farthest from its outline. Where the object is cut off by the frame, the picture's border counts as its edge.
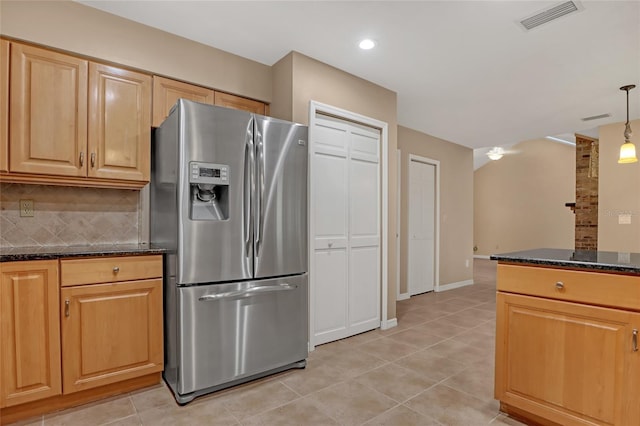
(451, 286)
(480, 256)
(403, 296)
(390, 323)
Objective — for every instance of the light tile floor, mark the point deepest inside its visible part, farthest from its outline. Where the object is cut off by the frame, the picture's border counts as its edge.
(434, 368)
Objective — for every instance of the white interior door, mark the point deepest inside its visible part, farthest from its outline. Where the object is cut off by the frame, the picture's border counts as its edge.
(346, 241)
(330, 205)
(364, 229)
(422, 226)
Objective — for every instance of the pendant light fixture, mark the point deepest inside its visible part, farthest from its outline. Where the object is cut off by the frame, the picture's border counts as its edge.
(628, 149)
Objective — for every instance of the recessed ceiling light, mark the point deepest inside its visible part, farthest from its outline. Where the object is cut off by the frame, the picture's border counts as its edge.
(367, 44)
(495, 153)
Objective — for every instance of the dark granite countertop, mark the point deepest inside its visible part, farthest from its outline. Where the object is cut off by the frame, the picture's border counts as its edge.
(606, 261)
(56, 252)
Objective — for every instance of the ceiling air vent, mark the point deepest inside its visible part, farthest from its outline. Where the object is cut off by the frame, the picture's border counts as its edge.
(550, 14)
(596, 117)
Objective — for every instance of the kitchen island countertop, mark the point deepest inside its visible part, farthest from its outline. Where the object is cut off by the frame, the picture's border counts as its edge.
(610, 261)
(11, 254)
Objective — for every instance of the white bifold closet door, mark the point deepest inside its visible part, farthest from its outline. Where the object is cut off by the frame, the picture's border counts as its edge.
(346, 213)
(422, 201)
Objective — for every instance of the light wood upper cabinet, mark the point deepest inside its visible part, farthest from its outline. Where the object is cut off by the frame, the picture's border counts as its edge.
(238, 102)
(120, 123)
(76, 122)
(48, 112)
(29, 332)
(166, 92)
(4, 106)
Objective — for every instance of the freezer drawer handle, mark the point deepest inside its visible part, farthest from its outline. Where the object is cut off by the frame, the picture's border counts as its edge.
(248, 292)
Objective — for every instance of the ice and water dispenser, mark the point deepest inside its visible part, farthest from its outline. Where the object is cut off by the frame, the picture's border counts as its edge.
(209, 191)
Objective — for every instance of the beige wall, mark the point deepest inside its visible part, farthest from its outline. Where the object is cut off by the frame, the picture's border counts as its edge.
(314, 80)
(519, 200)
(81, 29)
(282, 101)
(456, 204)
(619, 191)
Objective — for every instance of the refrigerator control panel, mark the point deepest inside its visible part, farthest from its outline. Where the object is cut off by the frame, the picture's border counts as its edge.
(208, 173)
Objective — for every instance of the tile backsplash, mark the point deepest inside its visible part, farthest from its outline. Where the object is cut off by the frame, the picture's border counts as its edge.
(68, 216)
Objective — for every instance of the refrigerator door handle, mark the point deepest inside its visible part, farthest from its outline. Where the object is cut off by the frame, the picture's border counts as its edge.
(248, 292)
(260, 172)
(247, 220)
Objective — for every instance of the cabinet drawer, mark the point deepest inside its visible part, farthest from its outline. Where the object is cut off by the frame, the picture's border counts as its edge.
(594, 288)
(109, 269)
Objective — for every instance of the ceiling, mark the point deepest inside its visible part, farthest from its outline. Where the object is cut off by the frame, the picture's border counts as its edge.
(464, 71)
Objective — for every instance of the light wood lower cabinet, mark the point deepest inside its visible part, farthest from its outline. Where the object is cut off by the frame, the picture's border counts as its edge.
(567, 363)
(29, 332)
(77, 330)
(110, 332)
(111, 316)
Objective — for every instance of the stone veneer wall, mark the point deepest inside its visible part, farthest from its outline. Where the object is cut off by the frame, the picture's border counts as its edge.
(586, 210)
(68, 216)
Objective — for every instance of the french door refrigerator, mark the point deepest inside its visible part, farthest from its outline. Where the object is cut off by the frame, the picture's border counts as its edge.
(229, 203)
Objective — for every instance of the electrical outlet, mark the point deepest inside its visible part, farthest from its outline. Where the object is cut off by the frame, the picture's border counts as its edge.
(26, 208)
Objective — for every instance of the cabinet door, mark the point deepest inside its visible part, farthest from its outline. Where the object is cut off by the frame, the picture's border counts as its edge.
(120, 123)
(48, 112)
(4, 106)
(111, 332)
(567, 362)
(238, 102)
(166, 93)
(29, 332)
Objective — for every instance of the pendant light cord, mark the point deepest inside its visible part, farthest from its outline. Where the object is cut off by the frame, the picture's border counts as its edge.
(628, 88)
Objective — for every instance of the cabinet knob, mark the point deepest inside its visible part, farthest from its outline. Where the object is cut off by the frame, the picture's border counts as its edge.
(82, 159)
(66, 307)
(330, 245)
(116, 269)
(93, 160)
(560, 285)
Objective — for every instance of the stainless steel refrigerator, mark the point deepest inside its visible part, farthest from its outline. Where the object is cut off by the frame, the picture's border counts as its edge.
(229, 203)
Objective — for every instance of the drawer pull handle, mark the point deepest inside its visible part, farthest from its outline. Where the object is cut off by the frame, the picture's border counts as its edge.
(66, 307)
(560, 285)
(93, 160)
(634, 340)
(81, 158)
(116, 269)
